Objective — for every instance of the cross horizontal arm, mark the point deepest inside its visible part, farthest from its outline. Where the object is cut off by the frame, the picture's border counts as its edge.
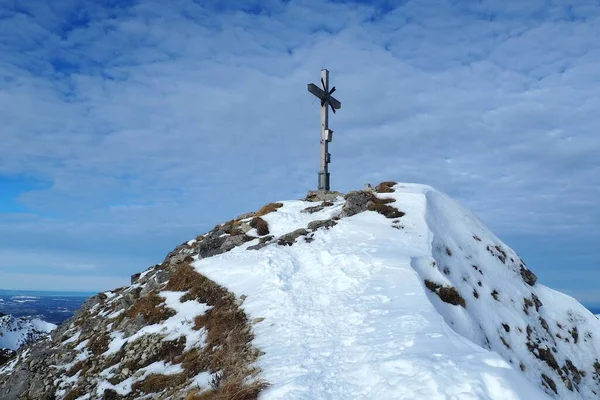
(335, 103)
(317, 91)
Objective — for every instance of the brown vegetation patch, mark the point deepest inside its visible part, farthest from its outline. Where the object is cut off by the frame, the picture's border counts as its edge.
(495, 295)
(99, 342)
(385, 187)
(228, 350)
(526, 304)
(385, 210)
(447, 294)
(150, 307)
(156, 383)
(261, 226)
(269, 208)
(528, 277)
(475, 294)
(198, 287)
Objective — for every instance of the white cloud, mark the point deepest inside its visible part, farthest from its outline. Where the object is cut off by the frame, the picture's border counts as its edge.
(204, 114)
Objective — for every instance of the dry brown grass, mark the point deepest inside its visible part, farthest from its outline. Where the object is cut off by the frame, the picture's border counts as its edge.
(385, 187)
(198, 287)
(170, 351)
(150, 307)
(98, 343)
(237, 391)
(386, 211)
(447, 294)
(228, 350)
(261, 226)
(269, 208)
(156, 383)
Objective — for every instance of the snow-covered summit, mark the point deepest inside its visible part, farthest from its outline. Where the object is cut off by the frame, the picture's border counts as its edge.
(391, 293)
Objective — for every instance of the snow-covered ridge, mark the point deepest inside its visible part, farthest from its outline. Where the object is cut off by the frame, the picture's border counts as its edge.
(395, 292)
(428, 305)
(16, 332)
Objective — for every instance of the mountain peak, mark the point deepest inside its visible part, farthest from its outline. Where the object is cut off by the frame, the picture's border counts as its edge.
(393, 291)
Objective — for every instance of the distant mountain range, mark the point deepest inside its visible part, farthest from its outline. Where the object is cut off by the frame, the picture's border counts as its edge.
(53, 307)
(15, 332)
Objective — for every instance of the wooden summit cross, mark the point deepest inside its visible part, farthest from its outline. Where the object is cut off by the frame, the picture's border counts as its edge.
(326, 134)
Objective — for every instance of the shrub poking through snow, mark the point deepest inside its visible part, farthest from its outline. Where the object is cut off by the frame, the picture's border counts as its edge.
(386, 211)
(156, 383)
(385, 187)
(261, 226)
(269, 208)
(447, 294)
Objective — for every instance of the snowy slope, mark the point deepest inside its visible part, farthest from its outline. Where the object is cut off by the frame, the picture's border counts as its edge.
(15, 332)
(334, 298)
(348, 316)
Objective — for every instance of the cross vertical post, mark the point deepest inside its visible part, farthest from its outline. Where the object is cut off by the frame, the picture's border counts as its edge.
(324, 170)
(327, 101)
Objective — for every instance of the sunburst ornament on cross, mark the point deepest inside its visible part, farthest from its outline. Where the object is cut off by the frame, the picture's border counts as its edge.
(324, 95)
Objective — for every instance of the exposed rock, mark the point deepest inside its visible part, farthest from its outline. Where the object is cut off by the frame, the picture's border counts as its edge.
(211, 246)
(325, 223)
(6, 355)
(134, 278)
(321, 195)
(262, 242)
(528, 276)
(549, 382)
(356, 202)
(290, 238)
(234, 241)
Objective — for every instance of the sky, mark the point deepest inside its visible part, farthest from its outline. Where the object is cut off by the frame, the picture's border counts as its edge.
(129, 127)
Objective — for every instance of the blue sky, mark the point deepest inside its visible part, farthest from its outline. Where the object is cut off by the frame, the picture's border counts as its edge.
(129, 127)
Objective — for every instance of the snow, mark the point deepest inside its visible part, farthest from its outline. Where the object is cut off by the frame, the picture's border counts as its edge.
(15, 332)
(124, 387)
(347, 316)
(181, 324)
